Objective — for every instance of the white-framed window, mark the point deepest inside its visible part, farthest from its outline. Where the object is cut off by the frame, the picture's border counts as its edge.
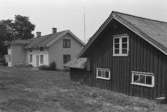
(41, 59)
(143, 79)
(103, 73)
(120, 45)
(30, 58)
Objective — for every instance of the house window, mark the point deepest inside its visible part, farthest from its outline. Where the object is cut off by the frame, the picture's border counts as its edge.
(30, 58)
(41, 59)
(66, 58)
(66, 43)
(120, 45)
(41, 49)
(103, 73)
(143, 79)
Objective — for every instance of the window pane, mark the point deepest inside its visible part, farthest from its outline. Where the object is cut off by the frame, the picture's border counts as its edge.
(66, 43)
(107, 74)
(116, 45)
(136, 78)
(41, 59)
(116, 51)
(66, 58)
(116, 40)
(149, 80)
(124, 51)
(124, 45)
(142, 79)
(99, 73)
(124, 40)
(30, 58)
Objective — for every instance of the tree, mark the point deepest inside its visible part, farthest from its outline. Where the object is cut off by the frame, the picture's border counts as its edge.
(23, 27)
(6, 34)
(6, 30)
(19, 28)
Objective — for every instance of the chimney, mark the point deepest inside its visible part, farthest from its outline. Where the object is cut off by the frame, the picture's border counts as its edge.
(38, 34)
(54, 30)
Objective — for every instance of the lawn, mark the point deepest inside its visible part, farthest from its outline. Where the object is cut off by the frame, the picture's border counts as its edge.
(26, 90)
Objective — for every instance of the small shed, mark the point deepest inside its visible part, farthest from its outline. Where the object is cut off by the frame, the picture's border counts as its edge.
(78, 70)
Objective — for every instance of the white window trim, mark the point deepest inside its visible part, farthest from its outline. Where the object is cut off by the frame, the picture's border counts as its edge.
(120, 44)
(145, 74)
(99, 77)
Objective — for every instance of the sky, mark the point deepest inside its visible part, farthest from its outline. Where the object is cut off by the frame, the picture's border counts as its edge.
(68, 14)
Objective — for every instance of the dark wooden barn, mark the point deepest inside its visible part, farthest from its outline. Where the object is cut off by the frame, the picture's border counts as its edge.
(127, 54)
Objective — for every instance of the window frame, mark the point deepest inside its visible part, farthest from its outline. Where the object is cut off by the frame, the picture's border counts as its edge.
(120, 37)
(65, 43)
(145, 74)
(103, 69)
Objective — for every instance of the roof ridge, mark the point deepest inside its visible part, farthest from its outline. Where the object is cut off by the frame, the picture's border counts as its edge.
(116, 12)
(53, 33)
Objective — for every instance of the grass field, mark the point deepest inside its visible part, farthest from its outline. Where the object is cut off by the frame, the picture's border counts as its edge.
(26, 90)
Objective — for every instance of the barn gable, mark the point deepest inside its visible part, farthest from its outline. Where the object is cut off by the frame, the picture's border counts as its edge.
(152, 31)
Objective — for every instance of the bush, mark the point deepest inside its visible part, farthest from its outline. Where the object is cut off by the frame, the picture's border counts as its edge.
(52, 66)
(43, 67)
(3, 61)
(29, 65)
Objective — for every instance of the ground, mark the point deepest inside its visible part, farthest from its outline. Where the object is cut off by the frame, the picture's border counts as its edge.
(26, 90)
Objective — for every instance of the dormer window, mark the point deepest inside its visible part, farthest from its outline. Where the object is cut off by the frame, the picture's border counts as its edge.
(120, 45)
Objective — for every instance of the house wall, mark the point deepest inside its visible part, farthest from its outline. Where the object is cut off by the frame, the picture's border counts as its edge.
(36, 53)
(17, 55)
(142, 57)
(56, 51)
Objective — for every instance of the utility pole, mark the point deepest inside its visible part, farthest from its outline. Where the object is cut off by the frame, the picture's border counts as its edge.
(84, 21)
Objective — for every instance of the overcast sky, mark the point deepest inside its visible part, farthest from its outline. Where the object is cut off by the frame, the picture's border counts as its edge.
(68, 14)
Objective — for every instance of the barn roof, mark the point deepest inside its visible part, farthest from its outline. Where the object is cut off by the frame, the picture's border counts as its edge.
(153, 31)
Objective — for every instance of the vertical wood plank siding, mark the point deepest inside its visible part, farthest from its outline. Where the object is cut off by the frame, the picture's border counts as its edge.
(142, 57)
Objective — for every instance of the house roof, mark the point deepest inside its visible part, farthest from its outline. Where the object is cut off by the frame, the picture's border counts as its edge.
(153, 31)
(77, 63)
(18, 42)
(48, 40)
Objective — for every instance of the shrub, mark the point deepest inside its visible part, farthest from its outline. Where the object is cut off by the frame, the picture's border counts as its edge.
(43, 67)
(29, 65)
(52, 66)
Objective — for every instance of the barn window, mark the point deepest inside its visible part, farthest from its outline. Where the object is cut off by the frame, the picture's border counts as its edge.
(103, 73)
(143, 79)
(120, 45)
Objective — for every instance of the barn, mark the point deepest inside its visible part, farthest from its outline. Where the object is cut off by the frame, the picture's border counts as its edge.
(127, 54)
